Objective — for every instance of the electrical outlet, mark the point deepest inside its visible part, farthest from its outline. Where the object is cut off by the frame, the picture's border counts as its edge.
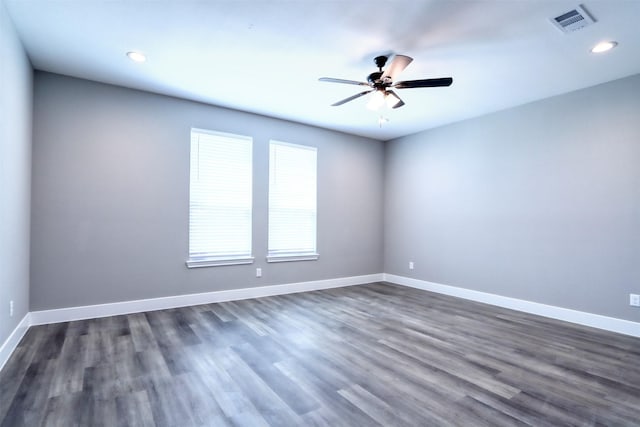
(258, 272)
(11, 308)
(410, 265)
(634, 300)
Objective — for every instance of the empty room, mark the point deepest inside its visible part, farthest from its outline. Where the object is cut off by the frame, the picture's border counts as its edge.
(319, 213)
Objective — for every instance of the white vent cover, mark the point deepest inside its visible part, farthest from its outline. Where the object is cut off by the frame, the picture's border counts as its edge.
(573, 20)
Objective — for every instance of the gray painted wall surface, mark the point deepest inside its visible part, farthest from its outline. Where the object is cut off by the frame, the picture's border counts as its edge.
(16, 79)
(110, 197)
(539, 202)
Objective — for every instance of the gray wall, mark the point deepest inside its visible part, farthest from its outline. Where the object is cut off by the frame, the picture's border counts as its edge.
(539, 202)
(110, 197)
(15, 175)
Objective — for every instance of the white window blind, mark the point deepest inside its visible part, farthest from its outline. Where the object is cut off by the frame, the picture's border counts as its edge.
(292, 202)
(220, 199)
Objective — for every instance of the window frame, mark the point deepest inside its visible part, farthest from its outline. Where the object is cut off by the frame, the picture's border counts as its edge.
(287, 256)
(222, 259)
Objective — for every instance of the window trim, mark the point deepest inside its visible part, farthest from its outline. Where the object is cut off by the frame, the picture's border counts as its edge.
(198, 262)
(293, 257)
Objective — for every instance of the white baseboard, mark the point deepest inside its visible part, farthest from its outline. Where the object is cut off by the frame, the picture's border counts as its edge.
(137, 306)
(580, 317)
(12, 342)
(126, 307)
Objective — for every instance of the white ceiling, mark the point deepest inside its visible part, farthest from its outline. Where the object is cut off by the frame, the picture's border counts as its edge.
(265, 56)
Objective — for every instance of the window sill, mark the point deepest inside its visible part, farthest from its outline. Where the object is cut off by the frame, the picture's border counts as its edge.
(292, 257)
(218, 261)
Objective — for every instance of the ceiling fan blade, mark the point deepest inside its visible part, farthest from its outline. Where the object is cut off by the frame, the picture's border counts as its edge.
(348, 82)
(398, 64)
(444, 81)
(394, 100)
(351, 98)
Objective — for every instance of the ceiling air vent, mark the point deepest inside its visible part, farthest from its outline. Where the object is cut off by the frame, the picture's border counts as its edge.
(573, 20)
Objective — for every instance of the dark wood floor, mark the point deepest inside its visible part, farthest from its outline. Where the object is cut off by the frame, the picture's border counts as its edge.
(359, 356)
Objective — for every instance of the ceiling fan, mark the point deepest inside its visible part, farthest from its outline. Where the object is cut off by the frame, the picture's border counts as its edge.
(381, 82)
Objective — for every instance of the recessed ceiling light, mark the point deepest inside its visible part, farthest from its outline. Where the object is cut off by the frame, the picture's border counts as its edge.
(604, 46)
(136, 56)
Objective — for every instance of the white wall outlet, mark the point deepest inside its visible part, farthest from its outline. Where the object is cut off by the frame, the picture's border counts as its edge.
(410, 265)
(11, 308)
(258, 272)
(634, 300)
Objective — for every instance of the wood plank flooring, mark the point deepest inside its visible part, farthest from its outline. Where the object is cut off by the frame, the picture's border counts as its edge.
(371, 355)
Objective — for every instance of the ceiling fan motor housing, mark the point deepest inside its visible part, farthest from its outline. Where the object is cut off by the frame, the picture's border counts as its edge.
(374, 79)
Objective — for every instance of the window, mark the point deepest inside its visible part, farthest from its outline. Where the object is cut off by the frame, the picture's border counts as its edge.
(292, 202)
(220, 199)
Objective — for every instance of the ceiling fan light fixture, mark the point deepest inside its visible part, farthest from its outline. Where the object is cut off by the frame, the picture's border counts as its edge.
(377, 100)
(136, 56)
(604, 46)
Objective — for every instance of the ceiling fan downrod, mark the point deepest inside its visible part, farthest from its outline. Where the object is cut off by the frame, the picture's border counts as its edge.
(374, 78)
